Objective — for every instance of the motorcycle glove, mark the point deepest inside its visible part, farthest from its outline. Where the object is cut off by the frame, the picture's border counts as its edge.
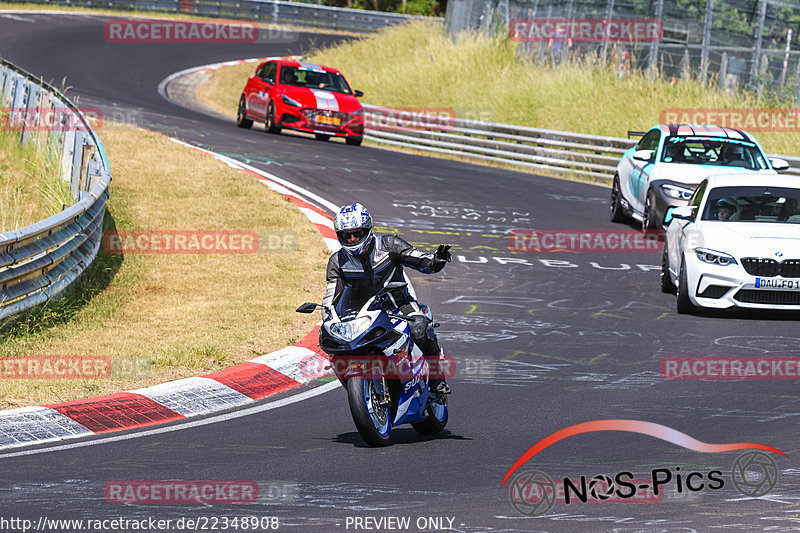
(441, 257)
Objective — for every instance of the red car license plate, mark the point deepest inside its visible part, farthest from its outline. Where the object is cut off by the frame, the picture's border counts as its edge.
(322, 119)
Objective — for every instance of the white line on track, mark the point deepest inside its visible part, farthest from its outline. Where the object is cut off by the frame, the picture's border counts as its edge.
(196, 423)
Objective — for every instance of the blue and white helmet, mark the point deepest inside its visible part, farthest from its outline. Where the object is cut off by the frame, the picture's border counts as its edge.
(353, 225)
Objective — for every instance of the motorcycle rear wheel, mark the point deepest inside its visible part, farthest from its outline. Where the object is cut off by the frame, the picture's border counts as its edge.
(373, 421)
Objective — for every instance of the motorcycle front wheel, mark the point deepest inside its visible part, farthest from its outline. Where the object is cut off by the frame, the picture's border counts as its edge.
(437, 418)
(370, 413)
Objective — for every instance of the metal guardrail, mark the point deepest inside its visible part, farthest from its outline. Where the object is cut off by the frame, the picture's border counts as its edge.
(580, 154)
(267, 11)
(39, 262)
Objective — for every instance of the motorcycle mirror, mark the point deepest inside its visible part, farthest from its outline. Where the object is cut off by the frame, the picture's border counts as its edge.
(307, 307)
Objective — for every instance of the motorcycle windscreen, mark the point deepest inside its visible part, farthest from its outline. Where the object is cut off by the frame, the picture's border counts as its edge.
(351, 301)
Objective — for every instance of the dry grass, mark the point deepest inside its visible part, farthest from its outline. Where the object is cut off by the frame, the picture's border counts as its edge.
(488, 78)
(224, 87)
(164, 317)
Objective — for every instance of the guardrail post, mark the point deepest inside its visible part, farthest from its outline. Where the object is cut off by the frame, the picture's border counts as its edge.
(77, 162)
(723, 71)
(6, 89)
(86, 157)
(26, 104)
(17, 98)
(67, 148)
(94, 174)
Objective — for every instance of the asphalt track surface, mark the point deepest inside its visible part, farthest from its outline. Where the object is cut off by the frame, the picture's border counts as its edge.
(542, 345)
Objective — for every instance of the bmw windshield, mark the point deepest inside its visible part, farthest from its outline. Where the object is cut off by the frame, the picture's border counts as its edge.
(753, 204)
(314, 79)
(699, 150)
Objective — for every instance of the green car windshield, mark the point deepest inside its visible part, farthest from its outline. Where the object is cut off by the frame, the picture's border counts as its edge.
(700, 150)
(314, 79)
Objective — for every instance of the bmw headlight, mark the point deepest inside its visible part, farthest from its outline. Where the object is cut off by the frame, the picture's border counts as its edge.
(351, 329)
(291, 101)
(713, 257)
(679, 193)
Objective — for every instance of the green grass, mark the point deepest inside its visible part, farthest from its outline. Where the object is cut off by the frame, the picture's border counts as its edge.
(30, 186)
(492, 79)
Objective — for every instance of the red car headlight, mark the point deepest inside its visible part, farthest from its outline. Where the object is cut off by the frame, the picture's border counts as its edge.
(290, 101)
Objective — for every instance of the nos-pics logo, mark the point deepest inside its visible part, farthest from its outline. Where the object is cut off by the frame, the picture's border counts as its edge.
(533, 493)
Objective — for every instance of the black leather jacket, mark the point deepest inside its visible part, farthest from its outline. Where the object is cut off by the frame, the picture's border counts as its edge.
(382, 263)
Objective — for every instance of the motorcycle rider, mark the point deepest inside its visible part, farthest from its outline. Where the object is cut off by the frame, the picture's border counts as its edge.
(368, 262)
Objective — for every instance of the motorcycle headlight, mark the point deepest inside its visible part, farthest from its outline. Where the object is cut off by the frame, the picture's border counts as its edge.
(714, 257)
(680, 193)
(291, 101)
(351, 329)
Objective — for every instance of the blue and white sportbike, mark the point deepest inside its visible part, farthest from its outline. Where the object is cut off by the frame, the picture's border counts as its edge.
(385, 374)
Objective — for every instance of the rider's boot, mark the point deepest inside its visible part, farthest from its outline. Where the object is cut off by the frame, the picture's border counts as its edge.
(437, 383)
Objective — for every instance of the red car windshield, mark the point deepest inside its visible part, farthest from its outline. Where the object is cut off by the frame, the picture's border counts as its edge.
(314, 79)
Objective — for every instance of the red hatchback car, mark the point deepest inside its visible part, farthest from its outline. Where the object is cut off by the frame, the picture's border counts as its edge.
(304, 97)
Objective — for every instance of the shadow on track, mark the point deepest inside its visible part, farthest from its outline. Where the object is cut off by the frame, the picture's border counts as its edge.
(399, 436)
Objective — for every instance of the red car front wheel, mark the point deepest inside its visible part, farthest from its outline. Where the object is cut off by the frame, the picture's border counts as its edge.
(270, 124)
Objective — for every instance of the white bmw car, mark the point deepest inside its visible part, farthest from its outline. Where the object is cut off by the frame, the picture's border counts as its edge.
(736, 244)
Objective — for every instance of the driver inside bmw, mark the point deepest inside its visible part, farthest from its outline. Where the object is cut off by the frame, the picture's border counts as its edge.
(726, 210)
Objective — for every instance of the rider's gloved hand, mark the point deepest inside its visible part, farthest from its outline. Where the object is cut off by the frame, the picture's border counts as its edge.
(442, 257)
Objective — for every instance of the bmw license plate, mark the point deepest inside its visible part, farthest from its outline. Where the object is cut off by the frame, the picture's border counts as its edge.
(778, 284)
(322, 119)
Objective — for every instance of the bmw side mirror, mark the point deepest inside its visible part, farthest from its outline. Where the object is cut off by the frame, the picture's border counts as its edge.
(780, 165)
(644, 155)
(684, 212)
(358, 94)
